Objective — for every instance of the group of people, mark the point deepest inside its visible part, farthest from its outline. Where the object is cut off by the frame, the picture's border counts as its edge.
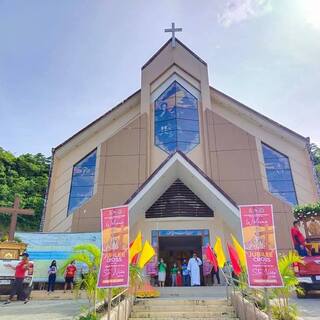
(24, 266)
(186, 275)
(69, 275)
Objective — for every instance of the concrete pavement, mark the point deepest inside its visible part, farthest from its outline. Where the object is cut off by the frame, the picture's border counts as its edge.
(42, 310)
(309, 308)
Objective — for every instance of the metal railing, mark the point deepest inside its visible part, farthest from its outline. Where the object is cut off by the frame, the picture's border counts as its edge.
(123, 300)
(248, 295)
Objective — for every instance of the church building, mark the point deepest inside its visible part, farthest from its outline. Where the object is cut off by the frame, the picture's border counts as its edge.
(183, 156)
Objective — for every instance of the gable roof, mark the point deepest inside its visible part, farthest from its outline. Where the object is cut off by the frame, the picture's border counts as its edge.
(105, 115)
(179, 166)
(110, 112)
(181, 44)
(203, 174)
(260, 115)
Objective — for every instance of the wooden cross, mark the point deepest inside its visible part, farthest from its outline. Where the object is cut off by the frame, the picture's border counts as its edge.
(14, 211)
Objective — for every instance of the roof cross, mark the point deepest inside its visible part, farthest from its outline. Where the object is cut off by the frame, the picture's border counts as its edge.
(14, 215)
(173, 30)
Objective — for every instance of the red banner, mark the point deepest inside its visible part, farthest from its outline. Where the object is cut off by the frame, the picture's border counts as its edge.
(114, 266)
(260, 245)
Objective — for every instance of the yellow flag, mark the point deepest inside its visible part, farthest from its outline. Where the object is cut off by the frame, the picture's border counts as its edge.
(221, 258)
(136, 247)
(240, 251)
(146, 254)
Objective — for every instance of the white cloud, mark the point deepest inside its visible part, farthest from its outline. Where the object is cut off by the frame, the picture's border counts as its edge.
(240, 10)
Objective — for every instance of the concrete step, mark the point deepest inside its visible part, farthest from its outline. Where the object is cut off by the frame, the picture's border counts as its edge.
(183, 307)
(218, 292)
(179, 318)
(169, 301)
(179, 314)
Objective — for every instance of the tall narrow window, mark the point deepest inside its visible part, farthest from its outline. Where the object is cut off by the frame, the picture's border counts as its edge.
(279, 175)
(176, 120)
(82, 183)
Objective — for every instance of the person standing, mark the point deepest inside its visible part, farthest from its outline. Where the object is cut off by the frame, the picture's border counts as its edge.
(84, 270)
(215, 274)
(161, 272)
(298, 239)
(52, 273)
(174, 271)
(194, 269)
(185, 273)
(179, 279)
(20, 272)
(69, 275)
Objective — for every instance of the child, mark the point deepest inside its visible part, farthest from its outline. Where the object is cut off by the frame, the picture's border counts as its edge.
(174, 272)
(179, 279)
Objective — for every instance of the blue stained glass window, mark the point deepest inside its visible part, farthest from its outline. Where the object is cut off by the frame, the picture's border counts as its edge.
(279, 175)
(176, 120)
(82, 183)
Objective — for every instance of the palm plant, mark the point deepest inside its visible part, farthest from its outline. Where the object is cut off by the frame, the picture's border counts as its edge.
(282, 310)
(91, 255)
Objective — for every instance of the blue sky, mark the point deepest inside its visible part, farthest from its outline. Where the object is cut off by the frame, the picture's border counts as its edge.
(64, 63)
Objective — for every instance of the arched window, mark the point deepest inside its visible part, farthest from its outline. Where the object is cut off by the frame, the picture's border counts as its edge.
(82, 183)
(176, 120)
(279, 175)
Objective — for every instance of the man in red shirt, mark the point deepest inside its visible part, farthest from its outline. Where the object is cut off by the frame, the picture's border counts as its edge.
(69, 275)
(298, 239)
(17, 285)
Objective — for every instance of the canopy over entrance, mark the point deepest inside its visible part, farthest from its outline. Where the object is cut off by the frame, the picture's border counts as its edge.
(179, 166)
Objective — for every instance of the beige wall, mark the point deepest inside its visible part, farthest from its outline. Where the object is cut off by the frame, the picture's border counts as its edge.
(229, 152)
(236, 167)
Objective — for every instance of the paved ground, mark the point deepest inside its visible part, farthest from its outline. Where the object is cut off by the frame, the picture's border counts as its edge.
(42, 310)
(309, 308)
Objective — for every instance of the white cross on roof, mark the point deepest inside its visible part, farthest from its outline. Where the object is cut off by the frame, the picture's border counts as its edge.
(173, 30)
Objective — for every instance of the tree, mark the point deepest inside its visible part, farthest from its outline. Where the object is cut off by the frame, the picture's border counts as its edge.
(26, 176)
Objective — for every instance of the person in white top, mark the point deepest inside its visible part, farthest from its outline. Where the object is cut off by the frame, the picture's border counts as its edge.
(194, 269)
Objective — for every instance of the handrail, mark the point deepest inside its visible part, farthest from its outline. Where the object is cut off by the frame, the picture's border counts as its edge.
(127, 309)
(248, 294)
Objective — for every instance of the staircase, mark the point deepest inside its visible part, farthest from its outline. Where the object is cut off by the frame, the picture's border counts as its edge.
(182, 303)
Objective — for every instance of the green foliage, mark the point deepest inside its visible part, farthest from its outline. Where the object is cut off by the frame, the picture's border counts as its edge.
(282, 310)
(26, 176)
(307, 210)
(90, 255)
(288, 313)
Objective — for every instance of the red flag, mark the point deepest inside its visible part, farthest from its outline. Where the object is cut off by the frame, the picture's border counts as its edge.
(211, 257)
(135, 258)
(234, 259)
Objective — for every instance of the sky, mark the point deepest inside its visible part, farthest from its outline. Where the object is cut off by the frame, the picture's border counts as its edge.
(65, 63)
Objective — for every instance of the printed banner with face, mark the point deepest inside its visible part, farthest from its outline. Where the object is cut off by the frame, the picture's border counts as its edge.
(114, 266)
(207, 266)
(260, 245)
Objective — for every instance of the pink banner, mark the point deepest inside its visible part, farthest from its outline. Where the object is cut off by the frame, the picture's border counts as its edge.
(207, 266)
(260, 245)
(114, 266)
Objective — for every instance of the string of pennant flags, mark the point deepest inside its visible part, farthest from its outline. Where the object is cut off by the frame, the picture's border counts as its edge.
(215, 256)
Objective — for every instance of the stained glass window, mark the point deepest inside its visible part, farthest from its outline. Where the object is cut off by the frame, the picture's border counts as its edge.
(176, 120)
(82, 183)
(279, 175)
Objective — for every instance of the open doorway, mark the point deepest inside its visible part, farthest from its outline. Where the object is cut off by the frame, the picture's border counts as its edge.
(173, 249)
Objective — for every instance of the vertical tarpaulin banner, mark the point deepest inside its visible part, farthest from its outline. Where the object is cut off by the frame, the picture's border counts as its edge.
(260, 245)
(114, 266)
(207, 266)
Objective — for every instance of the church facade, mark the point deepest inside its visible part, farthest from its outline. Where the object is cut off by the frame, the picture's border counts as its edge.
(183, 156)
